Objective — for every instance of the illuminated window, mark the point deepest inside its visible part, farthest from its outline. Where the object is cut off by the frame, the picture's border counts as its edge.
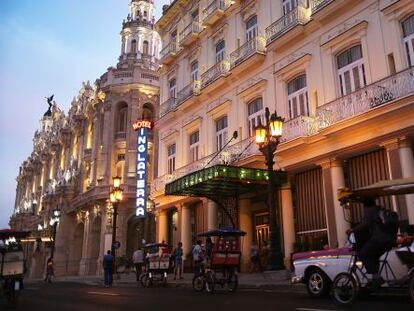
(408, 32)
(256, 113)
(221, 132)
(298, 97)
(220, 50)
(351, 70)
(194, 143)
(251, 28)
(171, 158)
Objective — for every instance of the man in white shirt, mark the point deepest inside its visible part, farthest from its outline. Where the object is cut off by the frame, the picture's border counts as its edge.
(197, 257)
(138, 259)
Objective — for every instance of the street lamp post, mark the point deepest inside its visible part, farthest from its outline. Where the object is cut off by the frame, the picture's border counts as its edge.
(267, 138)
(54, 220)
(115, 197)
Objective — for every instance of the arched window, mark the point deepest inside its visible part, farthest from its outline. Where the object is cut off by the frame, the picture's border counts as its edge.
(298, 97)
(134, 46)
(251, 28)
(121, 121)
(220, 50)
(408, 33)
(351, 70)
(255, 112)
(147, 112)
(145, 48)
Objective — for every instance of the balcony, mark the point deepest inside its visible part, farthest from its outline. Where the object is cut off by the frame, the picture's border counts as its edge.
(219, 70)
(255, 47)
(300, 126)
(190, 33)
(299, 16)
(168, 53)
(167, 106)
(188, 91)
(317, 5)
(215, 10)
(367, 98)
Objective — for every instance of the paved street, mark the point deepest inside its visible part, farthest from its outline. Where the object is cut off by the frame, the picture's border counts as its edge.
(74, 296)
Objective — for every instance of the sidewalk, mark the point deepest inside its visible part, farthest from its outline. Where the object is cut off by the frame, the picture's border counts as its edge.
(279, 280)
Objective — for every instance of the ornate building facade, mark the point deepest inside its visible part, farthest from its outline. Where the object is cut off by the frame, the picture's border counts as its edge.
(339, 72)
(76, 155)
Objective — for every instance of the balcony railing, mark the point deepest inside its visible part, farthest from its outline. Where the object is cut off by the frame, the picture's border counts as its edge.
(167, 106)
(213, 73)
(229, 155)
(170, 48)
(298, 16)
(316, 5)
(192, 28)
(189, 90)
(298, 127)
(214, 7)
(369, 97)
(256, 45)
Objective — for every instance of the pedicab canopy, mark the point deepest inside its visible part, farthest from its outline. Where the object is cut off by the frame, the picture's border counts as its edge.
(223, 181)
(381, 188)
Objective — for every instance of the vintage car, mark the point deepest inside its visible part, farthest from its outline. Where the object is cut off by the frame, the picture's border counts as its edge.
(318, 269)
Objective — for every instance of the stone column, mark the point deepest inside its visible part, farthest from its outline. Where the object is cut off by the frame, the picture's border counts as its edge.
(288, 221)
(63, 241)
(186, 230)
(211, 215)
(162, 226)
(246, 224)
(83, 269)
(407, 167)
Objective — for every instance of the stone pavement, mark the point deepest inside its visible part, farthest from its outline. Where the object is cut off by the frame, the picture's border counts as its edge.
(271, 280)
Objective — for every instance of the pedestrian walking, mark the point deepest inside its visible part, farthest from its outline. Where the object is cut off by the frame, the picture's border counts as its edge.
(108, 266)
(209, 250)
(254, 258)
(197, 257)
(178, 260)
(138, 259)
(49, 271)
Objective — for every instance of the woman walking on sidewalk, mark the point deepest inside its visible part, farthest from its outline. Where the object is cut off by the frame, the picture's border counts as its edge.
(49, 271)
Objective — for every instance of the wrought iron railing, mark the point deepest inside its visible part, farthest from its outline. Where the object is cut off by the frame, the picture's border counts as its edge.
(214, 6)
(298, 127)
(167, 106)
(170, 48)
(192, 28)
(369, 97)
(298, 16)
(189, 90)
(219, 69)
(256, 45)
(316, 5)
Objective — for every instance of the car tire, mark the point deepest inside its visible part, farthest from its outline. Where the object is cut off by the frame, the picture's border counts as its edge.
(317, 283)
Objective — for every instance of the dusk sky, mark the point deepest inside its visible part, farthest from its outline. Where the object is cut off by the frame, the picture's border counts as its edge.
(48, 47)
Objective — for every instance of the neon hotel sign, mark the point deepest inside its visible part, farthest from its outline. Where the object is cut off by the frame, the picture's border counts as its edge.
(142, 127)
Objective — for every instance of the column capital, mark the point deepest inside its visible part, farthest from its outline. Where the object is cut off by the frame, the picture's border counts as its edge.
(396, 143)
(331, 162)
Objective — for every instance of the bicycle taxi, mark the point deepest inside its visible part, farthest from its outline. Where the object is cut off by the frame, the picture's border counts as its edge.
(11, 264)
(222, 268)
(396, 265)
(158, 257)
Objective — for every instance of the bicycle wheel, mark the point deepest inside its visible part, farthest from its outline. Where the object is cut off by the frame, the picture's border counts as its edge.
(210, 282)
(232, 282)
(198, 283)
(345, 289)
(411, 289)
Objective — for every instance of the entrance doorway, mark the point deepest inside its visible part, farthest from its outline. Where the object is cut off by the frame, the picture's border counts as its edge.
(136, 233)
(261, 222)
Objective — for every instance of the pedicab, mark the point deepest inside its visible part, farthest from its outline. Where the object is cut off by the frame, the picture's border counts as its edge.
(157, 264)
(222, 268)
(396, 265)
(11, 265)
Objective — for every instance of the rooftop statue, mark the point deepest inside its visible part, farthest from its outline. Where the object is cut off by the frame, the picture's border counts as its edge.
(49, 100)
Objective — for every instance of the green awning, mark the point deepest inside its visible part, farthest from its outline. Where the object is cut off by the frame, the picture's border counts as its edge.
(223, 181)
